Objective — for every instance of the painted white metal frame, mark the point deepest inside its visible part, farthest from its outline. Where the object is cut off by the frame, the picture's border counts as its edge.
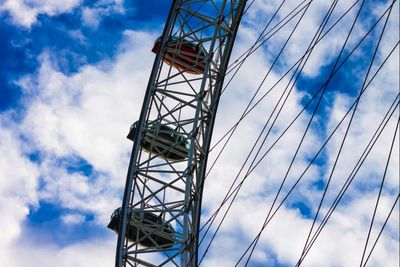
(187, 103)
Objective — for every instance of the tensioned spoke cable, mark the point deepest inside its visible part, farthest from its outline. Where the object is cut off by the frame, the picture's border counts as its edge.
(234, 130)
(273, 64)
(254, 243)
(346, 133)
(245, 114)
(262, 39)
(382, 228)
(256, 43)
(263, 34)
(343, 140)
(325, 33)
(384, 122)
(379, 195)
(315, 95)
(249, 52)
(389, 113)
(394, 105)
(360, 42)
(311, 44)
(231, 131)
(248, 6)
(312, 98)
(229, 195)
(348, 181)
(280, 27)
(328, 138)
(237, 189)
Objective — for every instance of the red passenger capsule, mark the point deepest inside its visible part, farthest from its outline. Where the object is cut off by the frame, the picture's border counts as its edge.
(182, 54)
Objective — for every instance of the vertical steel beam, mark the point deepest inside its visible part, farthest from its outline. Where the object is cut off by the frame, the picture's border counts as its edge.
(132, 169)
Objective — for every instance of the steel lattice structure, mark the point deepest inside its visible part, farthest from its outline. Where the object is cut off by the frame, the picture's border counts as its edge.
(182, 99)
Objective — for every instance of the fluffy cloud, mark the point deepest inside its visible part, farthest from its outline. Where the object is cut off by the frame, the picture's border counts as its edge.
(285, 235)
(96, 253)
(91, 16)
(86, 115)
(67, 119)
(25, 13)
(18, 186)
(326, 49)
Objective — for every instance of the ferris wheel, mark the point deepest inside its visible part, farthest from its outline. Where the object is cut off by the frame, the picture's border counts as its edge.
(162, 200)
(158, 223)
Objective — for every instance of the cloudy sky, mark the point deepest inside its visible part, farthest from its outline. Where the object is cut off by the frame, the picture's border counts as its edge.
(72, 79)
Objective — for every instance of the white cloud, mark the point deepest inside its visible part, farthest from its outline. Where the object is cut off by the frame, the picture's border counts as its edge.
(84, 115)
(73, 218)
(340, 243)
(326, 49)
(25, 13)
(87, 115)
(18, 183)
(98, 253)
(91, 16)
(286, 233)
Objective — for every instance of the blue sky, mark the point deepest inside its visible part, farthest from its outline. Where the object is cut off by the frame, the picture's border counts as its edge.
(22, 45)
(72, 79)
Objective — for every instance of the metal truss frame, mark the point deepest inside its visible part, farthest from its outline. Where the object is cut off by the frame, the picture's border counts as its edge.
(187, 103)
